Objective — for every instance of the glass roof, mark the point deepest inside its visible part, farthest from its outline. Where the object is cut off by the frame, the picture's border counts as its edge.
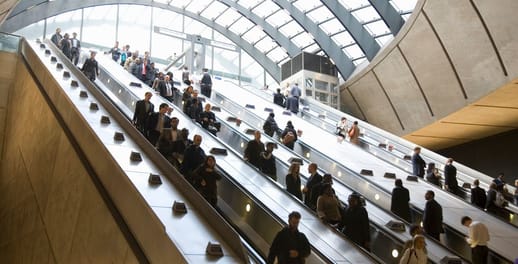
(228, 13)
(270, 24)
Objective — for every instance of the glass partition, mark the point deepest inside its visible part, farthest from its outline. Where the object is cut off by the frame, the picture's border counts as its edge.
(9, 43)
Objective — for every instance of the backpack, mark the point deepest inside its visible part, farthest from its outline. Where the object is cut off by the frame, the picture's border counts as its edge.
(267, 127)
(123, 57)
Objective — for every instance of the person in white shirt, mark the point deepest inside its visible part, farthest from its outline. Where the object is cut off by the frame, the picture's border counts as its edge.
(417, 253)
(477, 240)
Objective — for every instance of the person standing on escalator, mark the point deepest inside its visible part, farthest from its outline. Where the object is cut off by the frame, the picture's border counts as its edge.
(90, 67)
(206, 83)
(290, 246)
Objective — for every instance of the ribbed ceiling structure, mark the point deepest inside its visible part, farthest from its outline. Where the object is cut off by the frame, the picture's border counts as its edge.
(272, 31)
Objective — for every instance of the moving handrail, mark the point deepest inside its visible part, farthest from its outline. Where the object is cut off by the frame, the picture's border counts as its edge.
(344, 176)
(327, 117)
(388, 153)
(149, 219)
(285, 155)
(378, 216)
(331, 117)
(362, 161)
(397, 151)
(270, 195)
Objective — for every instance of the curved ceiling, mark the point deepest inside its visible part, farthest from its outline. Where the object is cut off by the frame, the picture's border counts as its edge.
(347, 31)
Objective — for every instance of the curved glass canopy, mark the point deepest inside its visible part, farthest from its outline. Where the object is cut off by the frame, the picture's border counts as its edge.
(349, 32)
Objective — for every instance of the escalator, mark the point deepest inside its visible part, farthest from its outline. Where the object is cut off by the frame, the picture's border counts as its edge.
(350, 158)
(398, 151)
(386, 244)
(253, 204)
(106, 137)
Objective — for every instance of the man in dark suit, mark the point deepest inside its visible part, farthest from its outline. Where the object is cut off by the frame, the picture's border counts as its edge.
(478, 195)
(156, 122)
(253, 150)
(193, 157)
(356, 221)
(450, 177)
(314, 179)
(143, 108)
(208, 120)
(166, 88)
(90, 67)
(290, 245)
(278, 98)
(432, 216)
(57, 37)
(400, 199)
(206, 83)
(418, 163)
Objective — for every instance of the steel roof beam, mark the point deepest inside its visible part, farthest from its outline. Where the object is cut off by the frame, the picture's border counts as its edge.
(343, 63)
(270, 30)
(53, 8)
(365, 41)
(389, 14)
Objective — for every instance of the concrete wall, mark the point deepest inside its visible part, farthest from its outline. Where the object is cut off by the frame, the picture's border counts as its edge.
(50, 209)
(442, 60)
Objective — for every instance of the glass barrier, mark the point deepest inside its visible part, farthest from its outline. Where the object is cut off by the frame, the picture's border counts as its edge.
(9, 43)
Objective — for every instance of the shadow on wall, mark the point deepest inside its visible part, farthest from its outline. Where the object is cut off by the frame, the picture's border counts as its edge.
(490, 155)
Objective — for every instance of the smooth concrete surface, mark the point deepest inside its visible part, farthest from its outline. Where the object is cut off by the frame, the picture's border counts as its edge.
(447, 56)
(379, 107)
(7, 75)
(51, 211)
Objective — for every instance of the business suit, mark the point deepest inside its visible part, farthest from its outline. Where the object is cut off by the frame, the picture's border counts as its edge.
(206, 85)
(478, 197)
(252, 152)
(418, 165)
(356, 225)
(432, 219)
(193, 157)
(311, 182)
(450, 178)
(164, 91)
(152, 124)
(142, 112)
(90, 69)
(399, 204)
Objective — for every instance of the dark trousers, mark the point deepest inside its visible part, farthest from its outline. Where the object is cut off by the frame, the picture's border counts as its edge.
(206, 90)
(479, 255)
(75, 55)
(153, 136)
(435, 235)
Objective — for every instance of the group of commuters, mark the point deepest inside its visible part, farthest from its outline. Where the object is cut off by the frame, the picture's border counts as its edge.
(71, 48)
(478, 236)
(290, 99)
(342, 131)
(317, 193)
(163, 131)
(414, 251)
(290, 245)
(493, 201)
